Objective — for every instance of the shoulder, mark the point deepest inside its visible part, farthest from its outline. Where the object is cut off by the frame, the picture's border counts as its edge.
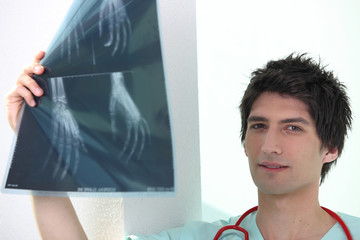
(195, 230)
(349, 219)
(353, 223)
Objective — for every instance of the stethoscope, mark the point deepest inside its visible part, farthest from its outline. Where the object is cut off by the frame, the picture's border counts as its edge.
(237, 227)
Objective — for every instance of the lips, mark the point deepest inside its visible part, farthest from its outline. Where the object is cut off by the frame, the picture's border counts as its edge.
(273, 167)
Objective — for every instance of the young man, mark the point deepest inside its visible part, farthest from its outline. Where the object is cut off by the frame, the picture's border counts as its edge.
(295, 117)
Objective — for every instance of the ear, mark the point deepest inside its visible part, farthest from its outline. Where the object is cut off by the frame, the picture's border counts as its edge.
(245, 150)
(330, 155)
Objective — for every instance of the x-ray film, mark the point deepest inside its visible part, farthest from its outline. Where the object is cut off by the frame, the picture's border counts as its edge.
(103, 124)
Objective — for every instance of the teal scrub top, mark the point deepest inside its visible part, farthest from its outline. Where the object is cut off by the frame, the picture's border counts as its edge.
(207, 231)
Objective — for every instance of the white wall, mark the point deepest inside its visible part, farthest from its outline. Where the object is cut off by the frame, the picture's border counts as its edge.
(234, 38)
(28, 26)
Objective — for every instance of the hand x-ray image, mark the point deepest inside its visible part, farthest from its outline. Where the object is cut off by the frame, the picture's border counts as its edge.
(103, 123)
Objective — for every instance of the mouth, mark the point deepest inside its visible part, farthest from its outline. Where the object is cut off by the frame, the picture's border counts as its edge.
(273, 167)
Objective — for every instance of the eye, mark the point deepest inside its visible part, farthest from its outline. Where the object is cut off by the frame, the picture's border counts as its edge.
(293, 128)
(257, 126)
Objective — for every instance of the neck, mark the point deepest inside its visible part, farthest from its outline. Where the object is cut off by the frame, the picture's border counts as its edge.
(292, 216)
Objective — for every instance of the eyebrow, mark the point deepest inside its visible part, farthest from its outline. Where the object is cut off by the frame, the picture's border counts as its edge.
(287, 120)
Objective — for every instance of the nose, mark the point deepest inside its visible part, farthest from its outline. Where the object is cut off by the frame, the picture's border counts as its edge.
(272, 142)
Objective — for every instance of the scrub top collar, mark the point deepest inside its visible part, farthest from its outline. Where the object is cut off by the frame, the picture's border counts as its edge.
(249, 223)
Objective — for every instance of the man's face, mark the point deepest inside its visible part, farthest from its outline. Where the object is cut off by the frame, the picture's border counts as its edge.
(282, 145)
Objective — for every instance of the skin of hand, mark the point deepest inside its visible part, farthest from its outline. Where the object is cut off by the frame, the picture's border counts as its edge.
(24, 89)
(55, 216)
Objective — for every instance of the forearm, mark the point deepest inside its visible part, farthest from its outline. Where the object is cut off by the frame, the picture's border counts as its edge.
(56, 218)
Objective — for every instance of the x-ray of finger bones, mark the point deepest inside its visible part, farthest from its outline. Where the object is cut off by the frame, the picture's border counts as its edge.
(103, 124)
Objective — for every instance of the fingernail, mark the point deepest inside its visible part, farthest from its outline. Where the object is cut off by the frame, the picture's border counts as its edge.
(38, 91)
(33, 103)
(38, 68)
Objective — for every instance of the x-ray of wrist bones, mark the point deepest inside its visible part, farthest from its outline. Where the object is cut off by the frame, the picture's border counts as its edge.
(66, 133)
(65, 129)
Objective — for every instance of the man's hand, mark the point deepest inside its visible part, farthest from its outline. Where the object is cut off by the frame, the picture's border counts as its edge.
(24, 89)
(55, 216)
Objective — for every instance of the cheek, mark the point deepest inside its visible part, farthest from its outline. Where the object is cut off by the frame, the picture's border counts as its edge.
(247, 146)
(245, 150)
(251, 147)
(309, 158)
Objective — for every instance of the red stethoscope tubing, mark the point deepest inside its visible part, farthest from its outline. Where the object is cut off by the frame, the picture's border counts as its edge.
(237, 224)
(340, 221)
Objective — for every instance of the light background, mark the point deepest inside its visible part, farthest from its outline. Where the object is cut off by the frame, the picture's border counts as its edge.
(236, 37)
(28, 26)
(233, 38)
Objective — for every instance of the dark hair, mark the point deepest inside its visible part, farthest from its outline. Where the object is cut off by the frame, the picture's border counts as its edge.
(301, 77)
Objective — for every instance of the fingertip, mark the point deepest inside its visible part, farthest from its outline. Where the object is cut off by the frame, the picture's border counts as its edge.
(39, 55)
(32, 103)
(39, 69)
(38, 92)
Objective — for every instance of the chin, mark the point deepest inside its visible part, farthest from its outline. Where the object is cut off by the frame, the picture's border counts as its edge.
(274, 188)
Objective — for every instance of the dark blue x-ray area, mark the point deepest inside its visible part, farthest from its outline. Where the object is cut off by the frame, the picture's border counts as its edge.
(103, 124)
